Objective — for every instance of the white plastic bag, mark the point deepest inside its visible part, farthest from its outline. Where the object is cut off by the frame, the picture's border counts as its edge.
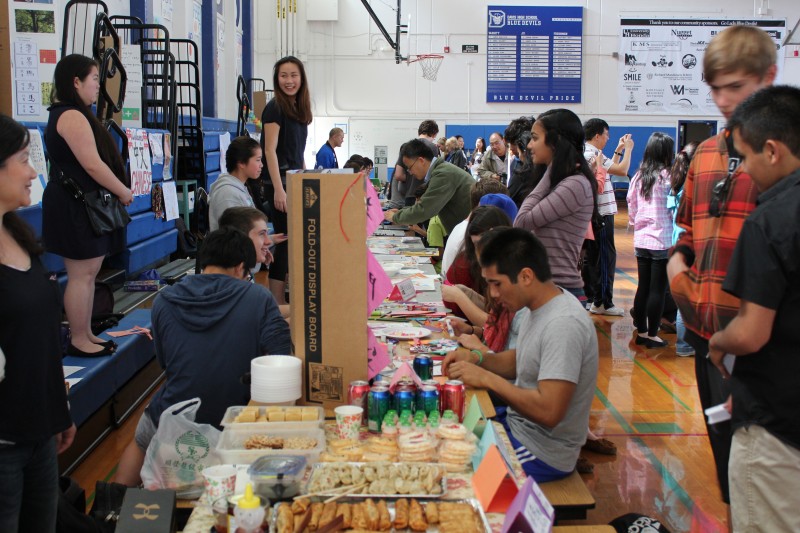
(179, 451)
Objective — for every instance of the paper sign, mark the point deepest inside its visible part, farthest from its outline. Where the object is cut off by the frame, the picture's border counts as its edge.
(139, 160)
(224, 143)
(156, 148)
(405, 370)
(378, 283)
(403, 291)
(374, 211)
(69, 370)
(167, 173)
(37, 159)
(473, 415)
(170, 200)
(377, 355)
(488, 439)
(530, 512)
(493, 483)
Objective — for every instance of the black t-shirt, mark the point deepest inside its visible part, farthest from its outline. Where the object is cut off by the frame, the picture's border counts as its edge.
(291, 140)
(409, 187)
(33, 399)
(765, 270)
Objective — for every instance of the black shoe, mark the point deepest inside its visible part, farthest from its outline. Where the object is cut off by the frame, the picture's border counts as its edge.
(111, 345)
(72, 350)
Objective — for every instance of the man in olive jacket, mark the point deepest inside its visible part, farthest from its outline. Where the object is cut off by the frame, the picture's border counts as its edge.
(447, 194)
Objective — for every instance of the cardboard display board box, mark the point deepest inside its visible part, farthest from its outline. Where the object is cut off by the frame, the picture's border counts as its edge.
(260, 99)
(328, 282)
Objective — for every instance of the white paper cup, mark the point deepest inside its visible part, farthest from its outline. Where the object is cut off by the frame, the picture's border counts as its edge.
(348, 421)
(219, 481)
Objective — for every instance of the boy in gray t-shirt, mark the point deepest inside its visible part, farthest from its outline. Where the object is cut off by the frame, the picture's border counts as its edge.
(554, 364)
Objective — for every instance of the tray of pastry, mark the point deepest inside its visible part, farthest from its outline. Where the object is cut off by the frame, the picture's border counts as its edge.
(402, 514)
(378, 480)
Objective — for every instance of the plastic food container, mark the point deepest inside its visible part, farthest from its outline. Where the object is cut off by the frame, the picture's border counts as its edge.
(277, 477)
(230, 415)
(231, 446)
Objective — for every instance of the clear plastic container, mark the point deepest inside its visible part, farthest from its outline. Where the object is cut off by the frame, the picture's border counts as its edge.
(231, 446)
(278, 477)
(230, 416)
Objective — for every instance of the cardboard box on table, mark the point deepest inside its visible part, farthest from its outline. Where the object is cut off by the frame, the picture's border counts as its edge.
(328, 282)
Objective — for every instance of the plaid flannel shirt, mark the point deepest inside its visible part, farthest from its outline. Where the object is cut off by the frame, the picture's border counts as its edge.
(708, 242)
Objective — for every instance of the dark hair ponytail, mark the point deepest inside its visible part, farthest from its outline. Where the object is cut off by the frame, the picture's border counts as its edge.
(680, 168)
(79, 66)
(13, 138)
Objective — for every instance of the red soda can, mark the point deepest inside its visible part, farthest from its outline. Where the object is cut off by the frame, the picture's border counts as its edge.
(357, 395)
(454, 397)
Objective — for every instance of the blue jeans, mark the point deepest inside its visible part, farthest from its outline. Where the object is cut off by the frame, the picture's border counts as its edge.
(681, 346)
(28, 487)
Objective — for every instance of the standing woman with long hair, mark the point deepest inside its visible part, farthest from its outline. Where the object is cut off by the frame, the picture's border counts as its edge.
(81, 148)
(560, 208)
(283, 140)
(35, 424)
(652, 235)
(677, 176)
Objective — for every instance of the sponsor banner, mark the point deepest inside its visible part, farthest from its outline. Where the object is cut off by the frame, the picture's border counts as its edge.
(534, 54)
(661, 67)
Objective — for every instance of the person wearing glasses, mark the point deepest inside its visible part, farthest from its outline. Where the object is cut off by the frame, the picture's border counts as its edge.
(402, 190)
(206, 330)
(718, 196)
(495, 162)
(448, 189)
(765, 453)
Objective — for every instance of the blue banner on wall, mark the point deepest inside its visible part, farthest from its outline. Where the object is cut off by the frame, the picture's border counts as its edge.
(534, 54)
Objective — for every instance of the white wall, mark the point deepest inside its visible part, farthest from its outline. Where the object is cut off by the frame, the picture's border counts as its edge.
(353, 76)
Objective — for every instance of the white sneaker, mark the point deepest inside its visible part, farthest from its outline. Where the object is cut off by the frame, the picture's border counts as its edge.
(610, 311)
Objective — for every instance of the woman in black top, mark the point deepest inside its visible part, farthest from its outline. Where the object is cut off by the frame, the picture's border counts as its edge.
(81, 148)
(283, 140)
(34, 419)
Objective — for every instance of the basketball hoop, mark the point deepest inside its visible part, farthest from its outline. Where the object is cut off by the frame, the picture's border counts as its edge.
(430, 64)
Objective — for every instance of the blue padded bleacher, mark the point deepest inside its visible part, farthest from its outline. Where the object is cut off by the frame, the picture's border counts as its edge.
(139, 256)
(213, 161)
(145, 225)
(103, 377)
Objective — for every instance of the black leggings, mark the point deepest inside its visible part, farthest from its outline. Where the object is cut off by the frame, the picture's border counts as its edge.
(648, 304)
(279, 268)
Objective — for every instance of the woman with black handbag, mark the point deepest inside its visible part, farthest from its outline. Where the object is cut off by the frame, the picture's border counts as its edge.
(83, 160)
(35, 424)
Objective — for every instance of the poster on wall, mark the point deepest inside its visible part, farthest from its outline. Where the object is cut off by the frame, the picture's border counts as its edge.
(26, 78)
(141, 165)
(661, 63)
(131, 58)
(534, 54)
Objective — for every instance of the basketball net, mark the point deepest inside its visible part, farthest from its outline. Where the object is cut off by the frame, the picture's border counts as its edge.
(430, 64)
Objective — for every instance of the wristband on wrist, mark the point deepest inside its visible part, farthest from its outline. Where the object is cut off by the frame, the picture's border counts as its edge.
(472, 330)
(480, 356)
(618, 153)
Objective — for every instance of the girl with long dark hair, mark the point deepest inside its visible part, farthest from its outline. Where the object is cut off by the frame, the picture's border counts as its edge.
(652, 235)
(559, 210)
(35, 424)
(81, 148)
(283, 140)
(677, 175)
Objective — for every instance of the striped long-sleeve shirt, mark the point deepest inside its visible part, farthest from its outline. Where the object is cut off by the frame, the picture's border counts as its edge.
(559, 218)
(708, 241)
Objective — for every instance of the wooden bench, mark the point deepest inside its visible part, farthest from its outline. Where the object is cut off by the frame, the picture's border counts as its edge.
(569, 497)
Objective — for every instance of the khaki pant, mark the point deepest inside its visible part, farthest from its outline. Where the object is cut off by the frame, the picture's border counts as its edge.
(764, 474)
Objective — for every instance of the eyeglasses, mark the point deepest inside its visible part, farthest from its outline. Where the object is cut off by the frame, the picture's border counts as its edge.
(412, 164)
(720, 190)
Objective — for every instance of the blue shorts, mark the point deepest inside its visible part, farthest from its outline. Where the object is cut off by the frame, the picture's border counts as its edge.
(540, 471)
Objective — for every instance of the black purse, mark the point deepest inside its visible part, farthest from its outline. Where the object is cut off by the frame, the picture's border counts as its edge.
(106, 213)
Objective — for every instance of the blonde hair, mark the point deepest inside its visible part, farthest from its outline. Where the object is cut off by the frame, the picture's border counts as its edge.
(451, 144)
(736, 48)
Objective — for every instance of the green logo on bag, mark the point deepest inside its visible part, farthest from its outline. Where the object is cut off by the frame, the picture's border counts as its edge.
(192, 446)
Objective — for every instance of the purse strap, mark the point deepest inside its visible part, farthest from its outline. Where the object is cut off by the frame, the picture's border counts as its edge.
(68, 183)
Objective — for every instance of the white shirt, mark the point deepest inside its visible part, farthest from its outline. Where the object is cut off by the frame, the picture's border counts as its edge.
(453, 246)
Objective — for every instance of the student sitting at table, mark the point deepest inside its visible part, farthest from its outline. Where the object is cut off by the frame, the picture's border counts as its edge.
(554, 364)
(253, 223)
(206, 330)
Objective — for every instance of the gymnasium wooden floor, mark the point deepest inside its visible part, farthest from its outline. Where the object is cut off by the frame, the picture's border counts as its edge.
(646, 403)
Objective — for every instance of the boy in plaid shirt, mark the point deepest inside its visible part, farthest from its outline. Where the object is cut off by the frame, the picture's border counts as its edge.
(717, 199)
